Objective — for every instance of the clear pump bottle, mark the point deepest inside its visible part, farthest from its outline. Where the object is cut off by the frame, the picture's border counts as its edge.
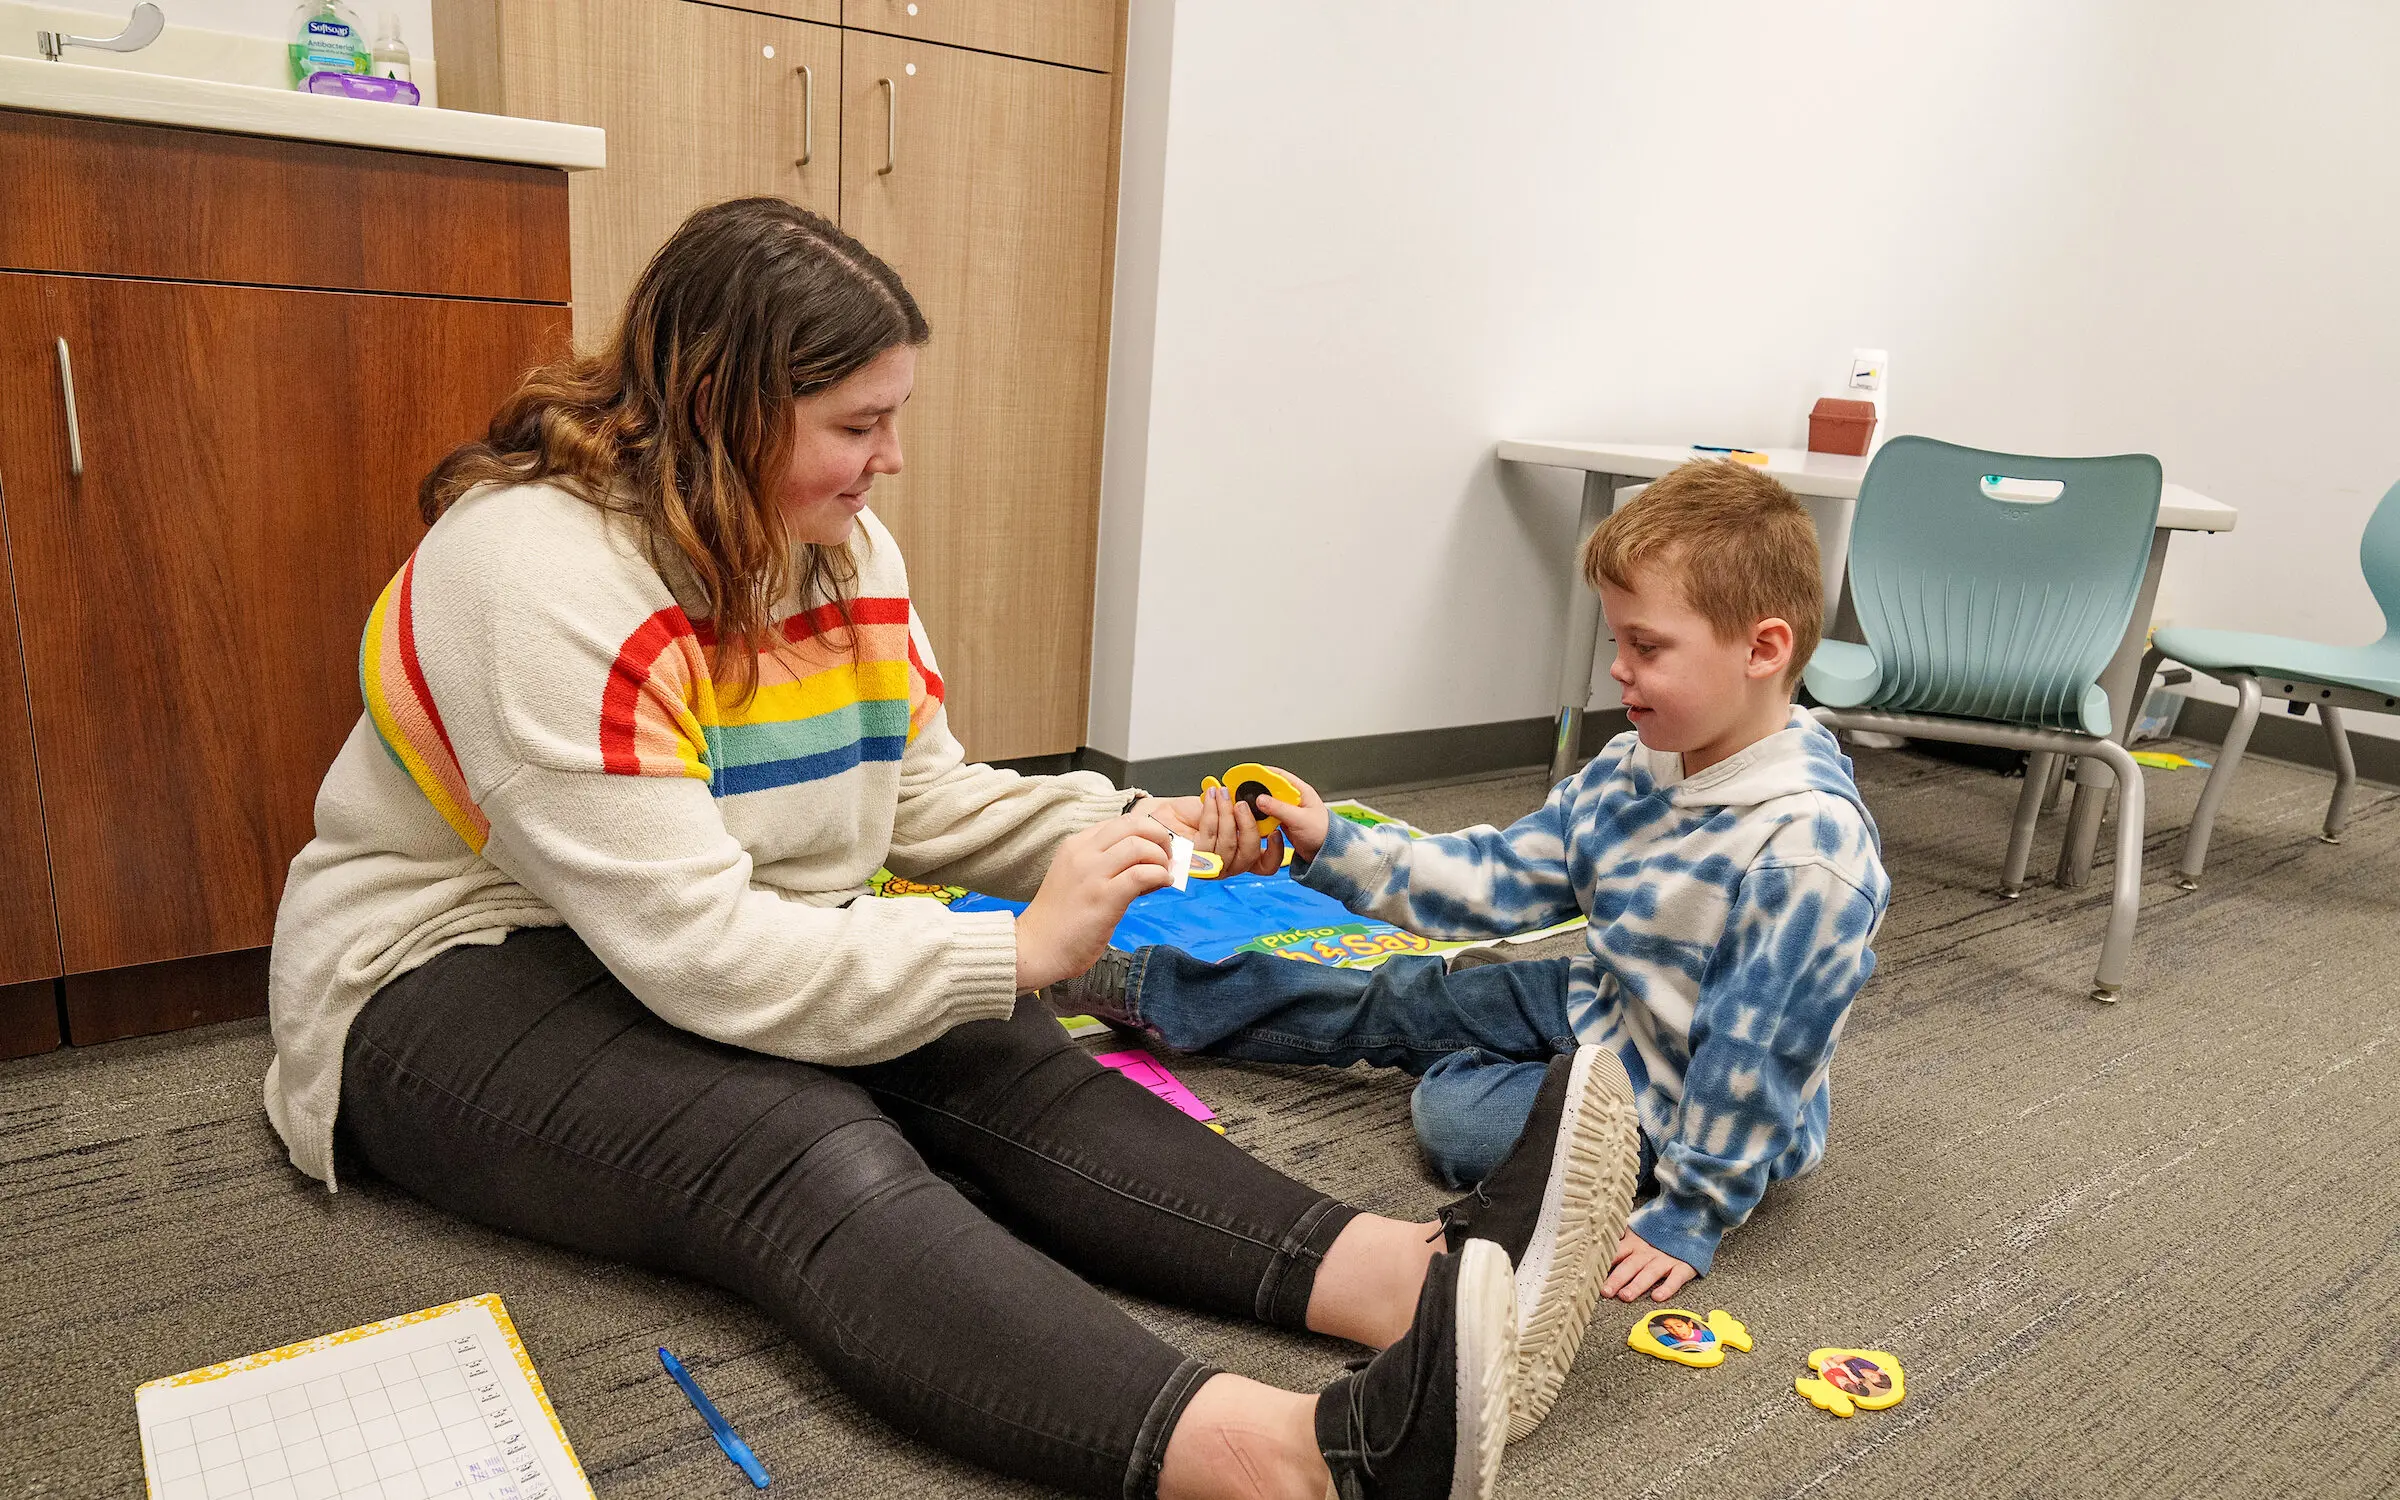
(391, 53)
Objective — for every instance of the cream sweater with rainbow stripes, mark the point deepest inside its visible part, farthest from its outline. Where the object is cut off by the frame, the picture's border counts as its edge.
(544, 744)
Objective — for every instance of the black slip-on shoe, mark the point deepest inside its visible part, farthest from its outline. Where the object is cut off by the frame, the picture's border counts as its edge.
(1097, 991)
(1558, 1205)
(1427, 1418)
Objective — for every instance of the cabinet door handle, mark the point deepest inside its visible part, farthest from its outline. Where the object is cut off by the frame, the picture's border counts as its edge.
(891, 127)
(66, 382)
(808, 116)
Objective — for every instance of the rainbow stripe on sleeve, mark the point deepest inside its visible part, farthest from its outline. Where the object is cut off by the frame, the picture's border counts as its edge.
(827, 700)
(401, 707)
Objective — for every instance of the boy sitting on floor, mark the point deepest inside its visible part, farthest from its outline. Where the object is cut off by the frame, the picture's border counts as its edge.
(1727, 865)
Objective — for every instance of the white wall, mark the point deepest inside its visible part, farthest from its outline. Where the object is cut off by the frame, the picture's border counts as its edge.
(273, 18)
(1125, 460)
(1389, 232)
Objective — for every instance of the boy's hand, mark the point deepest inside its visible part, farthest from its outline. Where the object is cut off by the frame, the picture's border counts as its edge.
(1643, 1267)
(1217, 825)
(1093, 877)
(1303, 825)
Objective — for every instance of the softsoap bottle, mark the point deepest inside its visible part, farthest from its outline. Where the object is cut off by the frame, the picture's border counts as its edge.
(326, 38)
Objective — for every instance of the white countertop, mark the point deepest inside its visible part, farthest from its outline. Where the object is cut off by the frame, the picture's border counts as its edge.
(1831, 476)
(65, 88)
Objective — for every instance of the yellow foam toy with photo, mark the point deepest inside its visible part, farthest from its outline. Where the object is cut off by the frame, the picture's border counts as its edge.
(1248, 782)
(1848, 1379)
(1698, 1342)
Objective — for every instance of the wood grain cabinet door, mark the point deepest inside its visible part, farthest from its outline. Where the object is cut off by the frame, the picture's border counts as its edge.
(984, 181)
(700, 103)
(827, 11)
(1079, 33)
(191, 602)
(28, 925)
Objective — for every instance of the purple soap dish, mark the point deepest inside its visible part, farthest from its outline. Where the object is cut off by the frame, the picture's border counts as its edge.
(363, 86)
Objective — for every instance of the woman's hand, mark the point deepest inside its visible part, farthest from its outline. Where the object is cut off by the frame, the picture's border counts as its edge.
(1305, 824)
(1093, 877)
(1218, 825)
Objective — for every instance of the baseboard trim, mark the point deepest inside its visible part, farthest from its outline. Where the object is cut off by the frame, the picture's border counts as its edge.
(2280, 735)
(1362, 762)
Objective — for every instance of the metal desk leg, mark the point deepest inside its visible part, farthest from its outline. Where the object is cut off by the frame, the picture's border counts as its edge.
(2092, 777)
(1583, 630)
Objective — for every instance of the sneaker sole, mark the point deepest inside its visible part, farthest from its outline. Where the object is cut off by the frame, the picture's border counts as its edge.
(1584, 1209)
(1485, 1336)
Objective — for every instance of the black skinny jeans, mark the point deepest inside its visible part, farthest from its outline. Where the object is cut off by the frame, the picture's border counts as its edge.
(521, 1085)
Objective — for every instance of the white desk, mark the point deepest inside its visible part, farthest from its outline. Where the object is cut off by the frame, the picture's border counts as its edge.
(1608, 467)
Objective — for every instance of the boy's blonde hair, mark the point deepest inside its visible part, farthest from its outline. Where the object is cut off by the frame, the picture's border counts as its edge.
(1736, 542)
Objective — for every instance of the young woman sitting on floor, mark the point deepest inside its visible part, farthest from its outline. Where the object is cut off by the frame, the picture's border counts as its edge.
(582, 949)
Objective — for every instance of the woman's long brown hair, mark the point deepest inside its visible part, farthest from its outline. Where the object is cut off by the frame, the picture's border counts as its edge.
(684, 417)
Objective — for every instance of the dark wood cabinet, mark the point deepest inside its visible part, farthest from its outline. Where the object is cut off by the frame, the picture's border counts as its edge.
(195, 544)
(28, 920)
(28, 1018)
(192, 601)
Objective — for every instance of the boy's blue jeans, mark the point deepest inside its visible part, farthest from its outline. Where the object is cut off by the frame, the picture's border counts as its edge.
(1479, 1040)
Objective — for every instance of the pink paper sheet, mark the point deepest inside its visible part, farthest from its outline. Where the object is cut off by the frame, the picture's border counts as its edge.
(1147, 1071)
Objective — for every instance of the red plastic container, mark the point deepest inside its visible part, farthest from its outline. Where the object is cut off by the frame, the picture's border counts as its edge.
(1839, 426)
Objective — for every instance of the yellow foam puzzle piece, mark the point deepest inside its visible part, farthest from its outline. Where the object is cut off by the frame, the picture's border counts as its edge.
(1848, 1379)
(1253, 778)
(1694, 1340)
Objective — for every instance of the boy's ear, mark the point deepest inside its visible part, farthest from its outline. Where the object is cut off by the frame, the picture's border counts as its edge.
(1770, 647)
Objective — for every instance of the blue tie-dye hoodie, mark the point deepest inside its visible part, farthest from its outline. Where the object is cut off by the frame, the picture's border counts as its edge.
(1731, 914)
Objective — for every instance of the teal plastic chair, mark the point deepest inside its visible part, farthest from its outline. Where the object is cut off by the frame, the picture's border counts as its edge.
(1993, 588)
(2303, 672)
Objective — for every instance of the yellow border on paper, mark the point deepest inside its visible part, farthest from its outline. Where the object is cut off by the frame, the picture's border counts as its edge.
(490, 1301)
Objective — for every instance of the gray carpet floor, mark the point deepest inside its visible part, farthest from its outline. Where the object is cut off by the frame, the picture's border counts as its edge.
(2142, 1249)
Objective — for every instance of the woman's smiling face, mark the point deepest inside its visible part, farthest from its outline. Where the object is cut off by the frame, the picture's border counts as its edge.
(842, 437)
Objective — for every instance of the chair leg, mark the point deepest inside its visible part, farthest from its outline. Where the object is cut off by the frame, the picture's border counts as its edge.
(2345, 772)
(2143, 676)
(2220, 777)
(2116, 950)
(2055, 794)
(2020, 831)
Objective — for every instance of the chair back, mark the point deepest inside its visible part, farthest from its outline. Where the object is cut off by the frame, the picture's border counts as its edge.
(1997, 585)
(2379, 559)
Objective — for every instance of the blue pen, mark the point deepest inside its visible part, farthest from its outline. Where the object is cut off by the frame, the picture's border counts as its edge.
(1720, 448)
(734, 1447)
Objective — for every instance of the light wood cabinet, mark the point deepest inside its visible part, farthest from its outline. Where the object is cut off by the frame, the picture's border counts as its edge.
(827, 11)
(196, 534)
(985, 181)
(701, 103)
(973, 146)
(1077, 33)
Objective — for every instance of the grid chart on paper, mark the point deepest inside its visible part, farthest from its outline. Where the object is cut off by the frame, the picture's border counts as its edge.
(433, 1420)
